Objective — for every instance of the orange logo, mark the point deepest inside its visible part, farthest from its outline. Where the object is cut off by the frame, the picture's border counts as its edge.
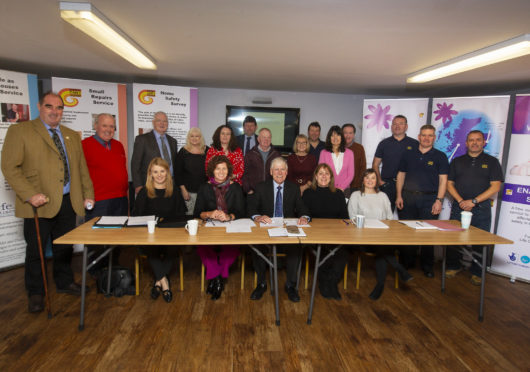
(145, 96)
(68, 94)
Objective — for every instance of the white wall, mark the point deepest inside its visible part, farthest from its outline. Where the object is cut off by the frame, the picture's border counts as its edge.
(327, 109)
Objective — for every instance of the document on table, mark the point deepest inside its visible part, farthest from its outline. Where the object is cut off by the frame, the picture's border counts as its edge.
(243, 223)
(444, 225)
(419, 225)
(140, 220)
(371, 223)
(275, 222)
(293, 222)
(108, 222)
(282, 231)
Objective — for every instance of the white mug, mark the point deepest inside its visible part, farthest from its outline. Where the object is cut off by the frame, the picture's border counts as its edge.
(192, 226)
(465, 219)
(151, 227)
(359, 221)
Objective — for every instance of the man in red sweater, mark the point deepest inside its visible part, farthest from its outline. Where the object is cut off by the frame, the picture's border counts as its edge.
(107, 165)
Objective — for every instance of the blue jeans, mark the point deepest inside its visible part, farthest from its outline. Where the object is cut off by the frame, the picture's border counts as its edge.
(482, 220)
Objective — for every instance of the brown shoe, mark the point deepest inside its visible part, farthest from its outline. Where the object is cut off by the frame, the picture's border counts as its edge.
(35, 303)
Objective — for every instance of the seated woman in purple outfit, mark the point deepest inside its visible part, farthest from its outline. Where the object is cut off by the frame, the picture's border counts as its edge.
(220, 199)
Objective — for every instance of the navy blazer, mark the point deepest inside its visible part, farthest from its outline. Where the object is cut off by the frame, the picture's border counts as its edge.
(146, 149)
(262, 201)
(241, 142)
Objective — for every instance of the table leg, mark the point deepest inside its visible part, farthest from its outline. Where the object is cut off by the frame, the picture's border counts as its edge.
(444, 259)
(83, 289)
(275, 270)
(313, 290)
(109, 275)
(482, 284)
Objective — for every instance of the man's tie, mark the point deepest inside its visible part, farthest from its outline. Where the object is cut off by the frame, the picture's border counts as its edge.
(247, 146)
(62, 153)
(165, 152)
(278, 207)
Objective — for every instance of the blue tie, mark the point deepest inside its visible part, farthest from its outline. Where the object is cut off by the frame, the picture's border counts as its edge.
(247, 147)
(278, 208)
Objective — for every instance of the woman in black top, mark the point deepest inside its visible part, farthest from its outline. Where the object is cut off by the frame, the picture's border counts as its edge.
(158, 198)
(189, 167)
(325, 201)
(220, 199)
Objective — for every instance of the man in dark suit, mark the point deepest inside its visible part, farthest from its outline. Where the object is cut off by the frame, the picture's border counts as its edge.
(249, 139)
(151, 145)
(43, 162)
(278, 198)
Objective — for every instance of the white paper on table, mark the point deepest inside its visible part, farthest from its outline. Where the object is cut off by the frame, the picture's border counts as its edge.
(212, 223)
(275, 222)
(371, 223)
(112, 220)
(419, 225)
(140, 220)
(282, 231)
(242, 222)
(293, 222)
(238, 228)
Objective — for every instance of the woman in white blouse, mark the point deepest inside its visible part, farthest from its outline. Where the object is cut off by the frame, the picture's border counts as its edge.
(371, 203)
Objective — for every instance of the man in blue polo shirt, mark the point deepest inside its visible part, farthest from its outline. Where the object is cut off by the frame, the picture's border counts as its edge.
(474, 178)
(389, 152)
(421, 184)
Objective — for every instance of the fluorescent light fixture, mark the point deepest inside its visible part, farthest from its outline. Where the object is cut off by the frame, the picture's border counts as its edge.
(88, 19)
(513, 48)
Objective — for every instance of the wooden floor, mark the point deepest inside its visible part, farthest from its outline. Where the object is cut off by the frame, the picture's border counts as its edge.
(410, 329)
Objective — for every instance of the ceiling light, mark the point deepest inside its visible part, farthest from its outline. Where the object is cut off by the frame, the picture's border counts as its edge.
(88, 19)
(513, 48)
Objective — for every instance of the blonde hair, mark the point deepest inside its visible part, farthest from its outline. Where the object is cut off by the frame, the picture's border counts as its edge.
(295, 146)
(331, 185)
(149, 184)
(202, 144)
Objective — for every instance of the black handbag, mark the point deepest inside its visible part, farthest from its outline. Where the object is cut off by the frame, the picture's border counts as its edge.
(121, 281)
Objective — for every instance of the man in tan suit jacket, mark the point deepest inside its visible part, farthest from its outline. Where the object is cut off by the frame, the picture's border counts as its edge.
(34, 167)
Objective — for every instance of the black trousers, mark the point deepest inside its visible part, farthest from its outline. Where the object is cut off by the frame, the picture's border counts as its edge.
(161, 258)
(293, 258)
(418, 207)
(332, 270)
(50, 228)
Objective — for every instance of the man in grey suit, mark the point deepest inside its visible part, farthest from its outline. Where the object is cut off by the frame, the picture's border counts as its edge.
(151, 145)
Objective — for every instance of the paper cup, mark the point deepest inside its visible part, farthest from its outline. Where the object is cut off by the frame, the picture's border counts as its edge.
(192, 227)
(359, 221)
(465, 219)
(151, 227)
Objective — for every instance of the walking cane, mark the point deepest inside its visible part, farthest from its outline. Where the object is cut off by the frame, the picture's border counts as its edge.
(44, 277)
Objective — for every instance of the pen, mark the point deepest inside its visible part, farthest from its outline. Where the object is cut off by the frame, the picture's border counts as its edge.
(346, 222)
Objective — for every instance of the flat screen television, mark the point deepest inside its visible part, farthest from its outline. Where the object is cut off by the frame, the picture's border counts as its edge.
(284, 123)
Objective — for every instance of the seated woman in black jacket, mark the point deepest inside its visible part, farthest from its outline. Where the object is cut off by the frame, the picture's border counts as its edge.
(158, 198)
(326, 201)
(222, 200)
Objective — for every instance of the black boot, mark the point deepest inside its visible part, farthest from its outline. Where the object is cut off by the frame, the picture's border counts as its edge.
(217, 288)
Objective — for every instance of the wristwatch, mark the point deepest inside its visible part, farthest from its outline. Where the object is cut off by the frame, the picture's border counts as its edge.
(441, 200)
(474, 201)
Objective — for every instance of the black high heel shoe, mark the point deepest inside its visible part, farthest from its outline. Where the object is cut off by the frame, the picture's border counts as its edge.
(167, 294)
(217, 288)
(211, 285)
(155, 291)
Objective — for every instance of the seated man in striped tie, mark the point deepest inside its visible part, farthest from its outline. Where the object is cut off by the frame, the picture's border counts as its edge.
(278, 197)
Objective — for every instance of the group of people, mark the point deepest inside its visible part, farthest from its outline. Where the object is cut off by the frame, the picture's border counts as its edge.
(58, 176)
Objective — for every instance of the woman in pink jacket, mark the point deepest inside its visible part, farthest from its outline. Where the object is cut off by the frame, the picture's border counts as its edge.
(338, 157)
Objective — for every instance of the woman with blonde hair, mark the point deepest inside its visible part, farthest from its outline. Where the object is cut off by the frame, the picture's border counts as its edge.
(189, 167)
(301, 164)
(158, 198)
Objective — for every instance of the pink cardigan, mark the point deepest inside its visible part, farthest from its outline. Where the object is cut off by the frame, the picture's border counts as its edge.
(344, 178)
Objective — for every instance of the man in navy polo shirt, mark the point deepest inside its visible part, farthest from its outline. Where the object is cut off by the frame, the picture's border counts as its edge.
(389, 153)
(421, 184)
(473, 179)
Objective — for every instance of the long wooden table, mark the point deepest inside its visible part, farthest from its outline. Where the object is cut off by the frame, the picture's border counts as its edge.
(322, 231)
(337, 232)
(85, 234)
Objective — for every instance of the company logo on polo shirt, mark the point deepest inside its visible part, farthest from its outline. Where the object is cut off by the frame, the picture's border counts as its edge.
(409, 147)
(430, 162)
(145, 96)
(509, 191)
(484, 166)
(68, 94)
(513, 257)
(525, 259)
